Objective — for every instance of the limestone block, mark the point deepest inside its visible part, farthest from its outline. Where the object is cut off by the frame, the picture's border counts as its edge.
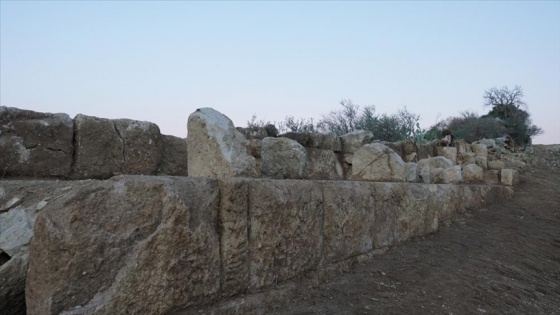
(259, 133)
(509, 177)
(216, 148)
(99, 150)
(395, 146)
(377, 162)
(352, 142)
(489, 143)
(450, 175)
(282, 158)
(322, 164)
(35, 144)
(448, 152)
(496, 165)
(234, 241)
(411, 172)
(349, 219)
(425, 150)
(492, 177)
(426, 167)
(479, 149)
(473, 173)
(466, 158)
(326, 141)
(415, 212)
(255, 148)
(174, 156)
(409, 149)
(129, 245)
(481, 161)
(285, 220)
(141, 146)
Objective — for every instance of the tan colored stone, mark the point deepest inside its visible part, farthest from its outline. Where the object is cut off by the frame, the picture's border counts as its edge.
(426, 167)
(473, 174)
(216, 148)
(450, 175)
(479, 149)
(492, 177)
(322, 164)
(509, 177)
(411, 172)
(448, 152)
(352, 142)
(496, 165)
(481, 161)
(133, 244)
(174, 156)
(285, 219)
(377, 162)
(283, 158)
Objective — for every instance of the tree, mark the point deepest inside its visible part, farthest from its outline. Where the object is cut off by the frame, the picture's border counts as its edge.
(508, 106)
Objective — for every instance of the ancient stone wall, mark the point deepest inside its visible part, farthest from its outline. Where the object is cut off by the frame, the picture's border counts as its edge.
(158, 244)
(42, 145)
(241, 222)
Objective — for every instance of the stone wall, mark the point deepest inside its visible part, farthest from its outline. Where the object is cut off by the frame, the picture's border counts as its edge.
(43, 145)
(241, 222)
(158, 244)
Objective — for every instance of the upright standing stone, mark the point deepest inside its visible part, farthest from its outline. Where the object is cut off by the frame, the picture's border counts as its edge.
(216, 148)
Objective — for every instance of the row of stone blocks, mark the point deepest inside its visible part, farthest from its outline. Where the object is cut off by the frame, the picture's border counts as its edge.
(156, 245)
(43, 145)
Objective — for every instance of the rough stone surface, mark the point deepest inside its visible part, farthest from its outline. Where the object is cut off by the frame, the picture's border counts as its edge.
(473, 173)
(234, 238)
(377, 162)
(509, 177)
(467, 158)
(496, 165)
(352, 142)
(409, 151)
(282, 158)
(20, 202)
(450, 175)
(129, 245)
(489, 143)
(35, 144)
(141, 146)
(479, 149)
(322, 164)
(99, 150)
(216, 148)
(425, 150)
(481, 161)
(426, 167)
(325, 141)
(349, 219)
(492, 177)
(174, 156)
(448, 152)
(285, 219)
(411, 172)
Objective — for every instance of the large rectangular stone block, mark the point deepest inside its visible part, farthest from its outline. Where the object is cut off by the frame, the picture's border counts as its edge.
(35, 144)
(349, 219)
(129, 245)
(285, 220)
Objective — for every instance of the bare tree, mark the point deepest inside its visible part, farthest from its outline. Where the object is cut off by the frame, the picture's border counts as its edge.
(505, 102)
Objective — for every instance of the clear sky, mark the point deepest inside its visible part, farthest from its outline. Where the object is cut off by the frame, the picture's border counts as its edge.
(159, 61)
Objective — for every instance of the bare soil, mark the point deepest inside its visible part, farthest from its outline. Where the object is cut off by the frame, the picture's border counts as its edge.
(501, 260)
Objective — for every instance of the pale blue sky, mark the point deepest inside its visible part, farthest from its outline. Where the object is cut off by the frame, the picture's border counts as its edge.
(159, 61)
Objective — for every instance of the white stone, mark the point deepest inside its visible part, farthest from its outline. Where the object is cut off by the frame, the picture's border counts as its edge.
(215, 148)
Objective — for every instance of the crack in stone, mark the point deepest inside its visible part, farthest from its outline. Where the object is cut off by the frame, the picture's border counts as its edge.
(123, 146)
(370, 163)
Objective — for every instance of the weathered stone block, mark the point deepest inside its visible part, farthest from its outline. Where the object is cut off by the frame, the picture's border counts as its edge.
(99, 150)
(234, 241)
(35, 144)
(496, 165)
(481, 161)
(448, 152)
(282, 158)
(377, 162)
(509, 177)
(133, 244)
(352, 142)
(473, 174)
(450, 175)
(349, 219)
(285, 219)
(141, 146)
(426, 167)
(174, 156)
(425, 150)
(411, 172)
(492, 177)
(479, 149)
(216, 148)
(322, 164)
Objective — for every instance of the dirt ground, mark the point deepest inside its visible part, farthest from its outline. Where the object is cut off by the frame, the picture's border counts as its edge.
(501, 260)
